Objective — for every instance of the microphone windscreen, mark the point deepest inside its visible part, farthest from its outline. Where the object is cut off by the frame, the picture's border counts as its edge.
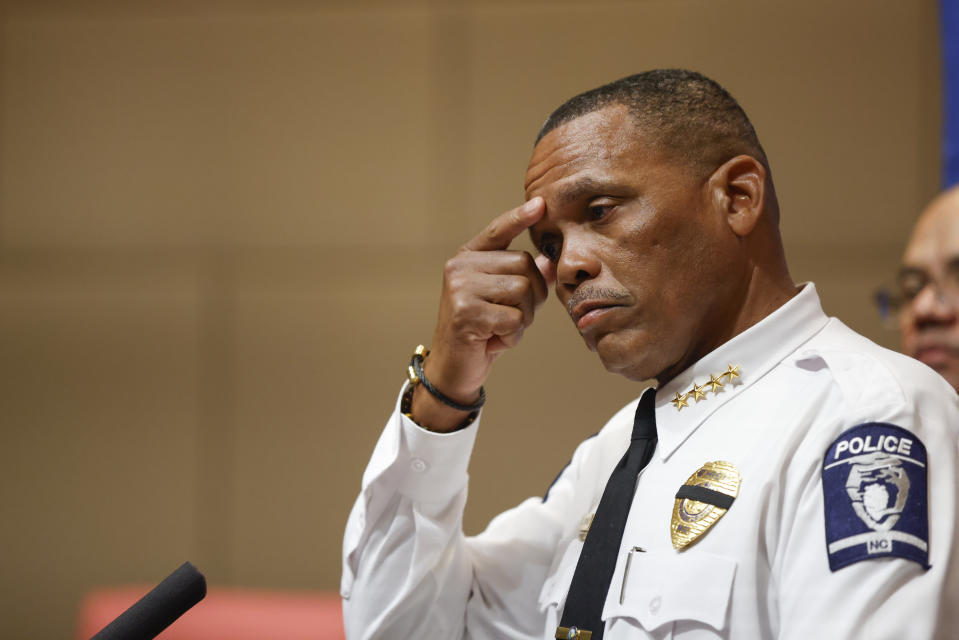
(158, 609)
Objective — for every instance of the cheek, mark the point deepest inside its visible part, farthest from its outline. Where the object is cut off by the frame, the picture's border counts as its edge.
(907, 332)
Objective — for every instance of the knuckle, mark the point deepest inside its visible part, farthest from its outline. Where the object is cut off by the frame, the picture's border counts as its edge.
(451, 266)
(511, 339)
(517, 290)
(460, 307)
(456, 282)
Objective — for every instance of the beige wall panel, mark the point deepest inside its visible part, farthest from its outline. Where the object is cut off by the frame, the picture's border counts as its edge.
(846, 284)
(321, 354)
(98, 376)
(833, 88)
(143, 127)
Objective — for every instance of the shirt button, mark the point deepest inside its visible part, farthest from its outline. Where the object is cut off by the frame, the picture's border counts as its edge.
(417, 465)
(654, 604)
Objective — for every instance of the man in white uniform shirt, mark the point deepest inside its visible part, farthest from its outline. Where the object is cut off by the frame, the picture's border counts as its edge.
(794, 479)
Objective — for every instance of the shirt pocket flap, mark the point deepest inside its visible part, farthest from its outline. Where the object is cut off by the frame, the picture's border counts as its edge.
(664, 587)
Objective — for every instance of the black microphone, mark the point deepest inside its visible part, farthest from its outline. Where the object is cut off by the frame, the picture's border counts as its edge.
(158, 609)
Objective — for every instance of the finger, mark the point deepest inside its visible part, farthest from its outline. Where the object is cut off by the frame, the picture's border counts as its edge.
(514, 291)
(501, 231)
(498, 344)
(547, 269)
(508, 263)
(492, 291)
(507, 329)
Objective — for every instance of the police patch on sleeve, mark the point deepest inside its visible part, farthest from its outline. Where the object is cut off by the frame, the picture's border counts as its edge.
(874, 487)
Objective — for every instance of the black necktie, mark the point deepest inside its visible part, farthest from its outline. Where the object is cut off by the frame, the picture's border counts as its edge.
(594, 571)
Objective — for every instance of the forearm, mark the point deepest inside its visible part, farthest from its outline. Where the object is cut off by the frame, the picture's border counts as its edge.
(411, 576)
(405, 571)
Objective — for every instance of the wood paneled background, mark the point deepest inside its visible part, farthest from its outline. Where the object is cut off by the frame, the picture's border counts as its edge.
(222, 228)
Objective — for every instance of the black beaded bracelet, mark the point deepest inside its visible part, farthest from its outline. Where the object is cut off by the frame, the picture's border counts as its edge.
(417, 376)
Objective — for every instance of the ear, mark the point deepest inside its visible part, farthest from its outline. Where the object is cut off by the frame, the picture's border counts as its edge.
(738, 191)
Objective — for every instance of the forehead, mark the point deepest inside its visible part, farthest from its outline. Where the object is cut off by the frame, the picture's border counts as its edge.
(606, 140)
(935, 240)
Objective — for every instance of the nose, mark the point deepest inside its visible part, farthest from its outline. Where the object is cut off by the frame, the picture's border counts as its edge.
(577, 262)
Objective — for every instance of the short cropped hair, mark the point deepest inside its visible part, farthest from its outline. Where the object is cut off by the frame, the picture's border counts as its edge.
(684, 113)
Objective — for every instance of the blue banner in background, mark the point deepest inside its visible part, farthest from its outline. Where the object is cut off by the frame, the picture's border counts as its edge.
(949, 23)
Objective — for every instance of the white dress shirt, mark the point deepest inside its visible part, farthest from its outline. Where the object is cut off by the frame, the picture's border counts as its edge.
(761, 571)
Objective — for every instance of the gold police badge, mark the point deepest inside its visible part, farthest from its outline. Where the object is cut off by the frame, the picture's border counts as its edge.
(703, 500)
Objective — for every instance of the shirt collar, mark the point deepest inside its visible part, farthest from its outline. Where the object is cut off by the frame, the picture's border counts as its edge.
(735, 365)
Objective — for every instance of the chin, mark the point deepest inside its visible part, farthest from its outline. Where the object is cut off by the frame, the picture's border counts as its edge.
(632, 361)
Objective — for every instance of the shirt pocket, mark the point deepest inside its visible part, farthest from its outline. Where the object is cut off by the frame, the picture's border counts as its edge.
(687, 594)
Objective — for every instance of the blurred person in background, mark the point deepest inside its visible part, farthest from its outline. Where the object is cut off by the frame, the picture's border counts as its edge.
(926, 294)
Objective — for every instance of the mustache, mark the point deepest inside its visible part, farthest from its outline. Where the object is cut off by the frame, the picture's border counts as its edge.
(594, 293)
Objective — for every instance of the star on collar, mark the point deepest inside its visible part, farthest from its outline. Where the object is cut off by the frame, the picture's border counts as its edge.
(680, 401)
(697, 392)
(715, 383)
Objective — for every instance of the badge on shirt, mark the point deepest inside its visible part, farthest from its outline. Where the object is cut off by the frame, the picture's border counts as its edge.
(874, 489)
(703, 500)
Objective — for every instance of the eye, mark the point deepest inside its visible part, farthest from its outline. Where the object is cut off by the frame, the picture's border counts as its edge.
(911, 282)
(599, 212)
(550, 248)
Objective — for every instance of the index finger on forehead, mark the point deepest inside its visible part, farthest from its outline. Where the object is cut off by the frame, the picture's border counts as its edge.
(500, 232)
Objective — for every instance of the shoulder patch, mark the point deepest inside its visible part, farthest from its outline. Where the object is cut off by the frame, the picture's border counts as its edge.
(874, 490)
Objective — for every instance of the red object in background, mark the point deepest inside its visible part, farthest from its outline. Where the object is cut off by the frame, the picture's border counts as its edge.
(234, 614)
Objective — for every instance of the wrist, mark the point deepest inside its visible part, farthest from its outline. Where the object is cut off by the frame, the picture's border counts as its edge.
(432, 408)
(417, 375)
(462, 393)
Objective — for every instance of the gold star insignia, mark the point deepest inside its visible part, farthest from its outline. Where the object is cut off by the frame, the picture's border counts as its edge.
(714, 383)
(697, 392)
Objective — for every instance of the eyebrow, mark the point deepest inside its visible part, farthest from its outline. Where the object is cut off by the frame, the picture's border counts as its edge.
(582, 187)
(951, 264)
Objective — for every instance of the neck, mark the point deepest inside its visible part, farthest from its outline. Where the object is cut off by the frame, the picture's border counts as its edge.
(764, 290)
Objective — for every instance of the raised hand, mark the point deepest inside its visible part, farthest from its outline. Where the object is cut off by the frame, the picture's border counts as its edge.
(490, 295)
